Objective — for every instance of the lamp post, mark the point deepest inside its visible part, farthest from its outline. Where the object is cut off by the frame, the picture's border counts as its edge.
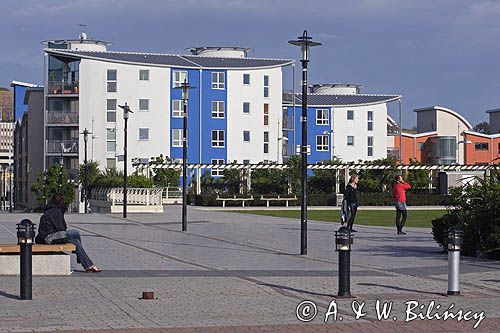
(126, 111)
(185, 97)
(85, 169)
(455, 240)
(465, 142)
(25, 236)
(343, 241)
(305, 42)
(61, 162)
(11, 199)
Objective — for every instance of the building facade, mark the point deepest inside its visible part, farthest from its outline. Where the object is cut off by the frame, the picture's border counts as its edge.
(234, 109)
(342, 124)
(29, 149)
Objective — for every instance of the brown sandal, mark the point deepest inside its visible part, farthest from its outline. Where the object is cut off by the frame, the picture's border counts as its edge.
(93, 269)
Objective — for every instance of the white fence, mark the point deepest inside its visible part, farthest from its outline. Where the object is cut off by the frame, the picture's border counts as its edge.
(171, 195)
(139, 200)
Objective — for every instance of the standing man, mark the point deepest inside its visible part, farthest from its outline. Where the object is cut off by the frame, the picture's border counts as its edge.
(351, 199)
(399, 188)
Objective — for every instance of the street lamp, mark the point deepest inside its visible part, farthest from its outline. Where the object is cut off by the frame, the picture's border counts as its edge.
(185, 96)
(61, 162)
(85, 169)
(126, 111)
(305, 42)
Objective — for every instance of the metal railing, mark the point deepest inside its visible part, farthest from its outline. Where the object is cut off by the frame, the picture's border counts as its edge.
(171, 195)
(62, 88)
(62, 146)
(62, 117)
(135, 196)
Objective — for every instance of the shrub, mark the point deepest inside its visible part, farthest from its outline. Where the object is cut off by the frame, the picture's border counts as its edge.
(476, 209)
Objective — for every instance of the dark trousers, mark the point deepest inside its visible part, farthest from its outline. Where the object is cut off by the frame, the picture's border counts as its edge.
(353, 208)
(81, 255)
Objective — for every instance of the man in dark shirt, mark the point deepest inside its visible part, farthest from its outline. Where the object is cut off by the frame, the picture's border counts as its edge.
(351, 198)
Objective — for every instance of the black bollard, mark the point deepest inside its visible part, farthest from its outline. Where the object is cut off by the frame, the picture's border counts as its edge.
(343, 241)
(455, 240)
(25, 236)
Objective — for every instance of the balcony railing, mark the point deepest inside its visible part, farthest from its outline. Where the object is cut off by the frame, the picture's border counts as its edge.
(62, 117)
(62, 146)
(62, 88)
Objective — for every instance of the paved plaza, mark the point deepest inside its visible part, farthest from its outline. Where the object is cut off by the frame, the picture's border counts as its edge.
(234, 272)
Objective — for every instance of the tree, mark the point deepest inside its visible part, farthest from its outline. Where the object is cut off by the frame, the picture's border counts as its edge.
(93, 174)
(267, 181)
(164, 177)
(47, 184)
(483, 127)
(323, 181)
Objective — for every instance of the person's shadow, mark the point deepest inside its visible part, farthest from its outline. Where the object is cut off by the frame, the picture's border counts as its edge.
(4, 294)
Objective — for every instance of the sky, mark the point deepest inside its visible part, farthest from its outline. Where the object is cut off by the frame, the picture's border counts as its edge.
(432, 52)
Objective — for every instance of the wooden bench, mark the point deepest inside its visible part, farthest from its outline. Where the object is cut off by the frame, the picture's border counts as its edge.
(278, 198)
(234, 198)
(47, 259)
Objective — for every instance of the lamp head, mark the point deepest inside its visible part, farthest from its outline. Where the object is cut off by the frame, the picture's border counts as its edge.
(305, 42)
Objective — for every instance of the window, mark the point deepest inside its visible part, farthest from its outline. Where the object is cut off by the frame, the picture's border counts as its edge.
(266, 85)
(218, 108)
(482, 146)
(246, 136)
(499, 148)
(246, 78)
(218, 138)
(110, 140)
(246, 162)
(179, 78)
(216, 172)
(111, 110)
(266, 114)
(322, 117)
(246, 107)
(143, 104)
(370, 120)
(350, 140)
(111, 80)
(218, 80)
(177, 109)
(322, 143)
(350, 114)
(177, 137)
(266, 142)
(370, 146)
(143, 133)
(144, 75)
(111, 163)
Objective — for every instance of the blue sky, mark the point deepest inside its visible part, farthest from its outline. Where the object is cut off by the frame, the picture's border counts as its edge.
(442, 52)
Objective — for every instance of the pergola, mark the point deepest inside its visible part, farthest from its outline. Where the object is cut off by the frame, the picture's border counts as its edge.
(345, 168)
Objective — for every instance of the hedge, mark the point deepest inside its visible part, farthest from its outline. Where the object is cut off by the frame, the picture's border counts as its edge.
(365, 199)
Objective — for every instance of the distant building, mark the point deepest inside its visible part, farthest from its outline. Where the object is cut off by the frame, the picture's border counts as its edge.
(29, 147)
(19, 89)
(494, 121)
(6, 105)
(445, 137)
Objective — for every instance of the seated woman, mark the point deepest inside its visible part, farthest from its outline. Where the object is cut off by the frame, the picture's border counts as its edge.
(53, 230)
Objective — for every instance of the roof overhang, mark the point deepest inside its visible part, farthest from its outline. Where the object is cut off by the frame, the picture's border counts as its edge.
(82, 55)
(442, 108)
(489, 136)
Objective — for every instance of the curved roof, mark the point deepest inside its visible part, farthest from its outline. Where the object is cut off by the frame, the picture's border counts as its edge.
(173, 60)
(442, 108)
(330, 100)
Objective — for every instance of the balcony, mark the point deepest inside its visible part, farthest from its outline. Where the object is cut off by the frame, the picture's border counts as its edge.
(62, 118)
(62, 88)
(64, 147)
(393, 152)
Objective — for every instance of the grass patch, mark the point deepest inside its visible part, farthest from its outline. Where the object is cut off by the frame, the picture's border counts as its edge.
(416, 218)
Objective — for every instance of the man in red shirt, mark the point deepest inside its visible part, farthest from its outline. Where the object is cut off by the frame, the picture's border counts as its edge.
(399, 188)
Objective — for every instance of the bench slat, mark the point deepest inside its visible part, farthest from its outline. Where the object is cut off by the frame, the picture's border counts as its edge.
(13, 248)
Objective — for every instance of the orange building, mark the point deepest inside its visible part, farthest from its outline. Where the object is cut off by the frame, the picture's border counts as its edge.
(415, 146)
(481, 148)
